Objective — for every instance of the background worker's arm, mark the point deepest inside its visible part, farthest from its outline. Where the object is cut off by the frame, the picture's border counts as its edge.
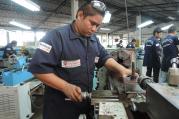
(71, 91)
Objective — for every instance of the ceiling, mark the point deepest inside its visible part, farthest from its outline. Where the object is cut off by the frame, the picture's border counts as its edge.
(55, 13)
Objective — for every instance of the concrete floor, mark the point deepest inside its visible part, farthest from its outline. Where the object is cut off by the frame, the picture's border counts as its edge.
(37, 115)
(37, 107)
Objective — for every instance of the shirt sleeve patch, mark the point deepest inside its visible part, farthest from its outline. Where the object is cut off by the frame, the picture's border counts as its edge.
(45, 47)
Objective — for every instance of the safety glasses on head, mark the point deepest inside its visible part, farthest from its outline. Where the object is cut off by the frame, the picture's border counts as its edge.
(100, 6)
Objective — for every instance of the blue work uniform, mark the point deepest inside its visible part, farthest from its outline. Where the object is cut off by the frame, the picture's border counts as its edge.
(170, 51)
(8, 50)
(152, 57)
(72, 58)
(130, 45)
(119, 45)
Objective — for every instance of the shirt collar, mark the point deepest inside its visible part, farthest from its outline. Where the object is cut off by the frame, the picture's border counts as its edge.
(74, 35)
(155, 38)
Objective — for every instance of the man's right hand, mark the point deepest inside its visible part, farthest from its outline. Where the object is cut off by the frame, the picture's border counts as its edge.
(72, 92)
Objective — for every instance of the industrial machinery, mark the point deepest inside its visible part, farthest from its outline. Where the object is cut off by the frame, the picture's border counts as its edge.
(107, 105)
(124, 57)
(173, 78)
(134, 98)
(15, 71)
(162, 101)
(113, 98)
(15, 102)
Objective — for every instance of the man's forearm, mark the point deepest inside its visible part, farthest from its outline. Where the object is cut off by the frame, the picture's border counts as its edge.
(73, 92)
(52, 80)
(114, 66)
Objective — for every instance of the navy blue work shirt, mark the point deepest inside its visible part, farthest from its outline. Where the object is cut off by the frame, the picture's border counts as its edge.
(130, 45)
(152, 53)
(170, 51)
(69, 56)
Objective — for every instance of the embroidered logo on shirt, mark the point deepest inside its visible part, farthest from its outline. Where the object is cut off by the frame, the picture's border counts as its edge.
(71, 63)
(8, 49)
(96, 59)
(45, 47)
(157, 44)
(149, 45)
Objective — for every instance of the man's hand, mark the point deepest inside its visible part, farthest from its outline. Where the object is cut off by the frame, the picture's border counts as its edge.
(72, 92)
(126, 72)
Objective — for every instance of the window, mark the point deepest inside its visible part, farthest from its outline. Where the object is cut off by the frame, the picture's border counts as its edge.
(23, 38)
(16, 35)
(3, 36)
(40, 35)
(28, 36)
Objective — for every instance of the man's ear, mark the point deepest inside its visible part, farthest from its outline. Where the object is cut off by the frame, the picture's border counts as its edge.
(80, 15)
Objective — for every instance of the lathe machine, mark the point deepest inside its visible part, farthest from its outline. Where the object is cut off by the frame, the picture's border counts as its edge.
(132, 99)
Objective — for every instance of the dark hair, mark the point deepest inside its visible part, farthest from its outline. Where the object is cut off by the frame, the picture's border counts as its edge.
(89, 10)
(13, 42)
(133, 40)
(172, 29)
(157, 30)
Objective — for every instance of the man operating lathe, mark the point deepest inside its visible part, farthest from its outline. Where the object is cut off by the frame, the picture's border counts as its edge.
(65, 61)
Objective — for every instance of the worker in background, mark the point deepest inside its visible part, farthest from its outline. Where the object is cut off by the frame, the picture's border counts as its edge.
(170, 51)
(131, 44)
(152, 56)
(25, 52)
(119, 45)
(65, 61)
(9, 49)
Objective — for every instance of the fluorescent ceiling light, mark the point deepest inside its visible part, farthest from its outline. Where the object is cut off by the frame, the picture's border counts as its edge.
(28, 4)
(145, 24)
(172, 18)
(107, 17)
(19, 25)
(105, 29)
(167, 27)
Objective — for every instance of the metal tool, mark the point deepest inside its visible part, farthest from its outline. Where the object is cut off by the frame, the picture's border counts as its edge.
(85, 96)
(144, 81)
(133, 71)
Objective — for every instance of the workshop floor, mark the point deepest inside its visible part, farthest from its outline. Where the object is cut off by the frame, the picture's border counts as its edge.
(37, 107)
(37, 115)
